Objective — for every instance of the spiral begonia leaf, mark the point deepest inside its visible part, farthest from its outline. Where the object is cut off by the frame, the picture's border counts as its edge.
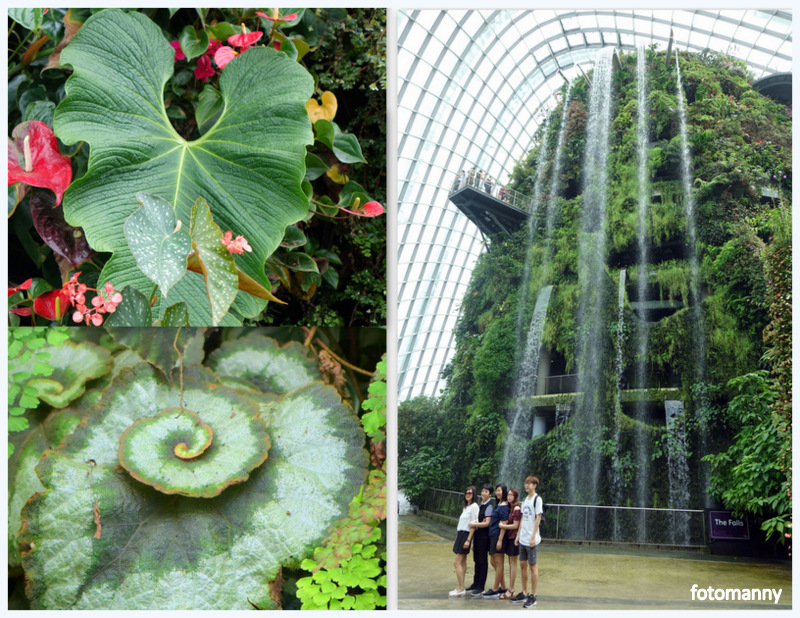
(73, 366)
(160, 351)
(22, 479)
(173, 552)
(263, 362)
(249, 166)
(178, 452)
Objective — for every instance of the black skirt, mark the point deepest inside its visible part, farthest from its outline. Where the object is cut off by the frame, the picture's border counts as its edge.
(458, 546)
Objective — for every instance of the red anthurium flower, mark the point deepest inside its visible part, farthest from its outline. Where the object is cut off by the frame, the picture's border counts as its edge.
(224, 55)
(204, 69)
(22, 286)
(43, 166)
(52, 305)
(23, 311)
(370, 209)
(291, 17)
(245, 40)
(179, 55)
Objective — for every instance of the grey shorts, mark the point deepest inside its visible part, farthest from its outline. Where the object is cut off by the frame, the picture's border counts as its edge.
(528, 554)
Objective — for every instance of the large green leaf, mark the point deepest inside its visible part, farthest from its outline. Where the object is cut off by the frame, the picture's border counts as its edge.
(249, 166)
(117, 543)
(263, 362)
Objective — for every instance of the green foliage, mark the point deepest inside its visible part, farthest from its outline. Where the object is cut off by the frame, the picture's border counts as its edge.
(225, 529)
(748, 476)
(341, 271)
(27, 359)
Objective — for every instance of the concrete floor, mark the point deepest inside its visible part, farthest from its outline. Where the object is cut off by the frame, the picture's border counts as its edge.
(580, 578)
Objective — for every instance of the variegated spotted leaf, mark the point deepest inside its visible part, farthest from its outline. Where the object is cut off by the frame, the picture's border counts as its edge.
(216, 263)
(157, 242)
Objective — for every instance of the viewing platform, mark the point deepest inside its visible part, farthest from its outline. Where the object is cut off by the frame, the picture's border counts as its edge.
(498, 210)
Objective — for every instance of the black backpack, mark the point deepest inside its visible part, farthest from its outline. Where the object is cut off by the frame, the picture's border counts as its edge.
(544, 510)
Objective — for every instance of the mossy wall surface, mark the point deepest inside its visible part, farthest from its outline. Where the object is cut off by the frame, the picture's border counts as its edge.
(740, 142)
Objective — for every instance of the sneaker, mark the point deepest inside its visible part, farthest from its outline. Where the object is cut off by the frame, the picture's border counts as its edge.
(519, 598)
(477, 592)
(471, 588)
(456, 593)
(491, 594)
(530, 602)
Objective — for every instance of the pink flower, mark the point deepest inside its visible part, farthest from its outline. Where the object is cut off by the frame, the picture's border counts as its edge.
(204, 69)
(245, 40)
(224, 55)
(106, 301)
(237, 245)
(179, 55)
(370, 209)
(291, 17)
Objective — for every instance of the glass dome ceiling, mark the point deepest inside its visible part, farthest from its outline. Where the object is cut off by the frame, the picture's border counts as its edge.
(473, 88)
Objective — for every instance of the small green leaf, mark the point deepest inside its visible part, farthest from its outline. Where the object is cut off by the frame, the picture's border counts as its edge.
(42, 369)
(17, 423)
(289, 49)
(16, 411)
(193, 44)
(28, 18)
(293, 238)
(221, 31)
(134, 310)
(27, 401)
(159, 245)
(315, 167)
(176, 315)
(346, 147)
(324, 132)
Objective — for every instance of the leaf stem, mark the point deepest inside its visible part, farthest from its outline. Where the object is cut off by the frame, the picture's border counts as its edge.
(342, 361)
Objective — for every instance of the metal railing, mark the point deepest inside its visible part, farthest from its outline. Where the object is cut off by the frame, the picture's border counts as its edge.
(602, 524)
(502, 193)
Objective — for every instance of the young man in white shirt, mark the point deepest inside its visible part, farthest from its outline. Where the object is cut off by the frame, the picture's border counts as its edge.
(528, 539)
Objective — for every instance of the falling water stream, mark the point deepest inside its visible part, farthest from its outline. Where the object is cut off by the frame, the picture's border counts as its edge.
(513, 468)
(697, 310)
(616, 479)
(642, 450)
(678, 469)
(584, 470)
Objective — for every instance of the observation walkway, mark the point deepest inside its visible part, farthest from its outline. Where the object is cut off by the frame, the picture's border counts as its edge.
(492, 208)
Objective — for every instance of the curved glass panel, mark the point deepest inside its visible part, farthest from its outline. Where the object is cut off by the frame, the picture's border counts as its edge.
(473, 87)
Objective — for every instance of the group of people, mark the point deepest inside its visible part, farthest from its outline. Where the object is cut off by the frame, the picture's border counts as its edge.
(506, 528)
(480, 180)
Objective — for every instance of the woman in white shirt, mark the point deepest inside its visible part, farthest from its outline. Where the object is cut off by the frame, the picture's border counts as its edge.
(464, 538)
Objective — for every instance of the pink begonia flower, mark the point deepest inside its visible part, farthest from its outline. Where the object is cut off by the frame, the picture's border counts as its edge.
(106, 301)
(204, 69)
(44, 165)
(224, 55)
(370, 209)
(245, 40)
(291, 17)
(179, 55)
(237, 245)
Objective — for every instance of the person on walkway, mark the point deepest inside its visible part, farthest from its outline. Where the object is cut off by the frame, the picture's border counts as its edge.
(528, 539)
(498, 542)
(464, 539)
(511, 526)
(480, 549)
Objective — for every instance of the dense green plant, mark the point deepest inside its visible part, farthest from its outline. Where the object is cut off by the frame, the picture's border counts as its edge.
(741, 160)
(242, 143)
(186, 457)
(749, 476)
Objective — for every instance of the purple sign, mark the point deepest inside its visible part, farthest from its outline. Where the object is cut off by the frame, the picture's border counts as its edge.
(725, 526)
